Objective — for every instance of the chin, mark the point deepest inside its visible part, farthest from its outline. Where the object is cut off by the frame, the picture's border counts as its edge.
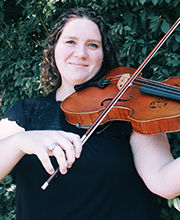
(79, 81)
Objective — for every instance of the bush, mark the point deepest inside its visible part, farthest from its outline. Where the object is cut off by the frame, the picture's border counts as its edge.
(136, 25)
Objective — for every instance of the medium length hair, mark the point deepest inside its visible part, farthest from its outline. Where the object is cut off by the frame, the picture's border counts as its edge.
(50, 75)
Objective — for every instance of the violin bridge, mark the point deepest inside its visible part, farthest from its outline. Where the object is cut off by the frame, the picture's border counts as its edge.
(123, 79)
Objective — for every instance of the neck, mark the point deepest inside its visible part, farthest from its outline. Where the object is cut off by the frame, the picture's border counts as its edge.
(64, 92)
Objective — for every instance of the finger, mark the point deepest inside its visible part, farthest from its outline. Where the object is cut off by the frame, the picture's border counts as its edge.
(75, 140)
(69, 150)
(46, 162)
(78, 145)
(61, 159)
(66, 145)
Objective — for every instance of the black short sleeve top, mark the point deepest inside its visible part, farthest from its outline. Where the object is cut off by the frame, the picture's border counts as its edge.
(102, 184)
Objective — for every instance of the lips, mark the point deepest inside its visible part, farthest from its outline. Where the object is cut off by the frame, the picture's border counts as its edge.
(78, 64)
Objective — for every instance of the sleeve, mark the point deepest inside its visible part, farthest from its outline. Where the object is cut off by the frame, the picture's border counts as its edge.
(16, 113)
(23, 112)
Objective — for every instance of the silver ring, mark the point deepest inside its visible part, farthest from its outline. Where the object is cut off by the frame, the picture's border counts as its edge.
(52, 147)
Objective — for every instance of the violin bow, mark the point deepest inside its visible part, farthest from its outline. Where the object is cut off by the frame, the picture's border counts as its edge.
(123, 89)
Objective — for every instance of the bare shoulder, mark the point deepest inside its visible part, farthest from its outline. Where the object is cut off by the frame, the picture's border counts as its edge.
(8, 128)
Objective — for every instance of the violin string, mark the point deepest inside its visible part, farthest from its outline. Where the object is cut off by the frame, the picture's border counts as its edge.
(151, 82)
(160, 84)
(158, 89)
(154, 85)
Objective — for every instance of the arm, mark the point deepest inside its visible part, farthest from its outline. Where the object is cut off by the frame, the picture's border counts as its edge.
(15, 142)
(9, 155)
(156, 165)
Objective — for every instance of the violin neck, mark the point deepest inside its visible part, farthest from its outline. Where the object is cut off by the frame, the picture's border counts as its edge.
(161, 90)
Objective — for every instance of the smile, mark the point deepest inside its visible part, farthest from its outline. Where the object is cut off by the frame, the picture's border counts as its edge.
(79, 64)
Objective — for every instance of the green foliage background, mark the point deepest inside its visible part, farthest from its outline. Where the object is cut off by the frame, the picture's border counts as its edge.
(137, 26)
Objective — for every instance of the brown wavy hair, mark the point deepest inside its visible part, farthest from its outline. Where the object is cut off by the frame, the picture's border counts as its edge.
(50, 76)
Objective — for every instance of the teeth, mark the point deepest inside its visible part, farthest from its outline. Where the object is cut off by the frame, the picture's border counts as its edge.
(83, 65)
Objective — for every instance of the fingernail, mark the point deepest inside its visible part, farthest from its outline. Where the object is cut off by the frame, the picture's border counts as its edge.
(51, 171)
(64, 171)
(69, 166)
(78, 155)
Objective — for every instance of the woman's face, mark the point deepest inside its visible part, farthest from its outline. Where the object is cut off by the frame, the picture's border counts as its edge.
(78, 52)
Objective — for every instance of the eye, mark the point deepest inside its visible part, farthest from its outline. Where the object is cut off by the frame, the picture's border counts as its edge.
(93, 45)
(71, 42)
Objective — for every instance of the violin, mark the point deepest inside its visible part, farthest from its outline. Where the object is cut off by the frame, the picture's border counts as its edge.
(151, 107)
(156, 112)
(129, 113)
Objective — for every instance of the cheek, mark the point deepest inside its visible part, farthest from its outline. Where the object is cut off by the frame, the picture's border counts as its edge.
(60, 55)
(98, 59)
(97, 55)
(57, 55)
(62, 51)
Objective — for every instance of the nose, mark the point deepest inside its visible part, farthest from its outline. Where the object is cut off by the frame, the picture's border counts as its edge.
(81, 51)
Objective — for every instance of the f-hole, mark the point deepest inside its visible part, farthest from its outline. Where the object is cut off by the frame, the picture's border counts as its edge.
(119, 100)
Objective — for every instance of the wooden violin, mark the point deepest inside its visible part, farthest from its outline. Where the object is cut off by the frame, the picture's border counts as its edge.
(151, 107)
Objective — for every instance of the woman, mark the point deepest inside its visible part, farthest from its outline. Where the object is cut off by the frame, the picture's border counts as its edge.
(99, 181)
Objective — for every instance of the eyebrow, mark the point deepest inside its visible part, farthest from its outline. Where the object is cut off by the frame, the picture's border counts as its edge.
(71, 37)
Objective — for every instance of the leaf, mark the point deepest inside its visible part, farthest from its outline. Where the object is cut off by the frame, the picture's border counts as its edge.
(131, 2)
(144, 50)
(142, 2)
(1, 4)
(170, 203)
(129, 18)
(177, 37)
(1, 15)
(176, 203)
(165, 26)
(18, 2)
(154, 23)
(154, 2)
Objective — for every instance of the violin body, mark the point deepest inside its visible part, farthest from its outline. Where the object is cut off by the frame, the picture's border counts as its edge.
(148, 114)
